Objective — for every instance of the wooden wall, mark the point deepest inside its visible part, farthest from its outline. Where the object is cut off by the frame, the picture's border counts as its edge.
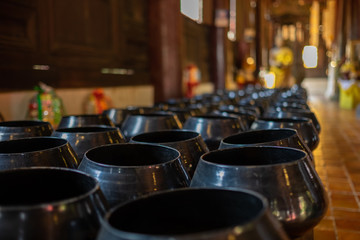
(82, 43)
(196, 46)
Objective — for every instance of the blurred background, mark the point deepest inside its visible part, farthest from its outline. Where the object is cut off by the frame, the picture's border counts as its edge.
(141, 52)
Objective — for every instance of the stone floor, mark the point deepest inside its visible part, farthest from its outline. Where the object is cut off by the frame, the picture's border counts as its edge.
(338, 164)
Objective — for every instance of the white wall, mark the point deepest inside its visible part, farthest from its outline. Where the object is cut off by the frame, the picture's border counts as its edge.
(14, 105)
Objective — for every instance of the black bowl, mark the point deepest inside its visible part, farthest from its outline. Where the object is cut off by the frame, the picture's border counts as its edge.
(282, 137)
(128, 171)
(82, 139)
(300, 113)
(72, 121)
(284, 176)
(304, 127)
(50, 203)
(213, 128)
(38, 151)
(193, 214)
(151, 122)
(11, 130)
(189, 143)
(117, 115)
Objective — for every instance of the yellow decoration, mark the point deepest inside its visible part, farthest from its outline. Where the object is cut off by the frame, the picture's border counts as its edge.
(349, 96)
(284, 56)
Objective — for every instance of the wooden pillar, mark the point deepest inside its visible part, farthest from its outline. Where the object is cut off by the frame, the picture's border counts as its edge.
(258, 36)
(341, 29)
(355, 20)
(165, 24)
(217, 51)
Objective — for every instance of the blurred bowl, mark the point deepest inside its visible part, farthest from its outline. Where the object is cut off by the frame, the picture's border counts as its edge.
(300, 113)
(193, 214)
(182, 113)
(117, 115)
(82, 139)
(151, 122)
(246, 118)
(11, 130)
(282, 137)
(50, 203)
(127, 171)
(284, 176)
(189, 143)
(72, 121)
(213, 128)
(38, 151)
(292, 105)
(304, 127)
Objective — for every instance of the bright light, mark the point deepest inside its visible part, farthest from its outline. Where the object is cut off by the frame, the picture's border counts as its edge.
(310, 57)
(231, 36)
(250, 61)
(192, 9)
(333, 64)
(41, 67)
(269, 79)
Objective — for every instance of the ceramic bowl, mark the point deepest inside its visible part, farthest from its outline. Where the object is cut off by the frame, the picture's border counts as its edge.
(128, 171)
(82, 139)
(11, 130)
(284, 176)
(193, 214)
(189, 143)
(50, 203)
(38, 151)
(71, 121)
(142, 123)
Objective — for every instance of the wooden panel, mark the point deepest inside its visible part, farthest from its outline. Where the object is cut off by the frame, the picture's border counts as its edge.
(165, 32)
(135, 34)
(355, 20)
(196, 40)
(81, 27)
(76, 40)
(18, 24)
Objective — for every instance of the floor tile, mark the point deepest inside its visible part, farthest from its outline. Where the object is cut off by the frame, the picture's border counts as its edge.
(347, 214)
(348, 224)
(346, 235)
(343, 200)
(320, 234)
(339, 185)
(325, 224)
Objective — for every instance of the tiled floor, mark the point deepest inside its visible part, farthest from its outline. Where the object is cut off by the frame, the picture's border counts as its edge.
(338, 164)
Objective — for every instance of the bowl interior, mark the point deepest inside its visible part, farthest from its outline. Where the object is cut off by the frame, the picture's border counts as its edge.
(254, 156)
(85, 129)
(30, 145)
(187, 211)
(286, 120)
(165, 136)
(22, 123)
(253, 137)
(132, 154)
(38, 186)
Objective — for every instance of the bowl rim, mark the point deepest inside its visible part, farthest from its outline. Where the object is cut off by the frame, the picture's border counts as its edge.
(75, 130)
(290, 130)
(297, 120)
(304, 158)
(65, 143)
(85, 115)
(53, 203)
(104, 222)
(198, 135)
(103, 165)
(35, 124)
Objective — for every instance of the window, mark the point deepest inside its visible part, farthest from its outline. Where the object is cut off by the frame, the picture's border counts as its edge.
(192, 9)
